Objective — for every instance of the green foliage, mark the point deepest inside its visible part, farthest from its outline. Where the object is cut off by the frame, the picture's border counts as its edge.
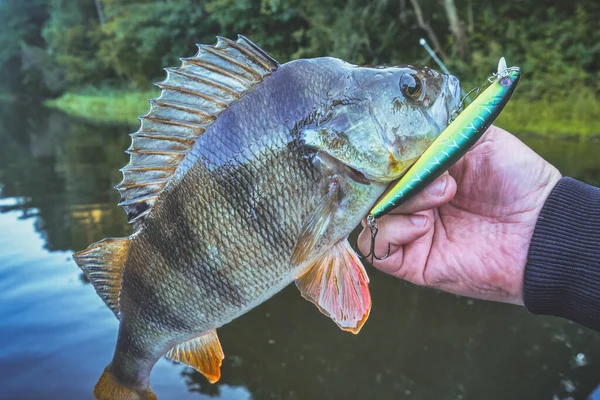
(557, 45)
(141, 38)
(129, 41)
(73, 40)
(271, 23)
(21, 25)
(57, 46)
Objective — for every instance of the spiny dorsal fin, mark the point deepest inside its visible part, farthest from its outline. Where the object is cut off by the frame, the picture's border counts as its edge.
(102, 263)
(203, 353)
(192, 98)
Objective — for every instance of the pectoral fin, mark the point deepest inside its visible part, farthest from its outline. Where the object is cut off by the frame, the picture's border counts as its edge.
(337, 284)
(203, 353)
(316, 223)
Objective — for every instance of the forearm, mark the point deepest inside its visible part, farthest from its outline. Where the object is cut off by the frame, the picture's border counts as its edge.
(562, 275)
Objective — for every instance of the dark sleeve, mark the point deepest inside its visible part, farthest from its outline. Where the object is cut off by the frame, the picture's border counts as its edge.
(562, 275)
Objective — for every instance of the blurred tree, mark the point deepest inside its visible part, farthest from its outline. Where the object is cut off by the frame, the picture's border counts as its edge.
(142, 37)
(426, 26)
(458, 30)
(274, 24)
(355, 30)
(22, 23)
(50, 46)
(40, 73)
(557, 44)
(100, 12)
(73, 38)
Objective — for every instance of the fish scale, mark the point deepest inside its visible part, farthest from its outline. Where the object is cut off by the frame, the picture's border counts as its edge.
(254, 235)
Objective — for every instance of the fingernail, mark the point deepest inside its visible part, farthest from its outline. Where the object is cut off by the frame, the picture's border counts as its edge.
(438, 187)
(418, 220)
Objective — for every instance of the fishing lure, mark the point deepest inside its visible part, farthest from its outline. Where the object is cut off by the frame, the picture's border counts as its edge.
(465, 128)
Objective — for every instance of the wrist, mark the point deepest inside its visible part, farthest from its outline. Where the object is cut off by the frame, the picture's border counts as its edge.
(515, 273)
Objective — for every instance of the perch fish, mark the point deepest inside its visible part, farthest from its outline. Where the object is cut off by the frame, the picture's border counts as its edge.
(245, 176)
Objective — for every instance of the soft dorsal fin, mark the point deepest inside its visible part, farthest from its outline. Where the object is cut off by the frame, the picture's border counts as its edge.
(192, 98)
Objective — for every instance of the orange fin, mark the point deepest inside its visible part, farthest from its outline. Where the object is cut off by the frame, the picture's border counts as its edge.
(102, 263)
(203, 353)
(338, 285)
(316, 223)
(109, 388)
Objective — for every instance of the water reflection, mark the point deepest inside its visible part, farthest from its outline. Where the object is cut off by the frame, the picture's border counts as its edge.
(56, 175)
(576, 159)
(63, 169)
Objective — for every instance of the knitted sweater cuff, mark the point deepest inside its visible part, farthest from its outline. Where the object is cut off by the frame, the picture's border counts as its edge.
(562, 275)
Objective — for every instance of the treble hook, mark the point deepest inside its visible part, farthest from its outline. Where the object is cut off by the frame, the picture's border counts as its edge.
(372, 224)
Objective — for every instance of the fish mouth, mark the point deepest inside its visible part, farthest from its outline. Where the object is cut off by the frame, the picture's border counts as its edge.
(453, 96)
(356, 175)
(367, 179)
(396, 171)
(344, 169)
(448, 102)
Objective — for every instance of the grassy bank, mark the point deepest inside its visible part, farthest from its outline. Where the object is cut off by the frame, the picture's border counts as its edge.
(105, 105)
(577, 117)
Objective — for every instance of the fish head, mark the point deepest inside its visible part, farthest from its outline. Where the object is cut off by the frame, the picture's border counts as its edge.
(380, 120)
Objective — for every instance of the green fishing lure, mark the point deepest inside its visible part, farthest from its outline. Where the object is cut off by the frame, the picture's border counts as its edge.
(462, 133)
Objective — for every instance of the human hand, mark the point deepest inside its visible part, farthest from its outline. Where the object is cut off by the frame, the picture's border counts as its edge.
(468, 232)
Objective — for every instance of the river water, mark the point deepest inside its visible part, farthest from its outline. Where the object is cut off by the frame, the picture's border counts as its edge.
(56, 196)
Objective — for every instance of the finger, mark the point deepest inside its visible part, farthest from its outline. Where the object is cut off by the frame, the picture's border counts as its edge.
(438, 193)
(394, 231)
(408, 262)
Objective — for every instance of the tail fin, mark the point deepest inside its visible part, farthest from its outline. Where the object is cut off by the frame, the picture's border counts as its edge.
(109, 388)
(102, 263)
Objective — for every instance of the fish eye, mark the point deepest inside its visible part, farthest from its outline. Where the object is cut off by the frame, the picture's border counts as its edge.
(410, 86)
